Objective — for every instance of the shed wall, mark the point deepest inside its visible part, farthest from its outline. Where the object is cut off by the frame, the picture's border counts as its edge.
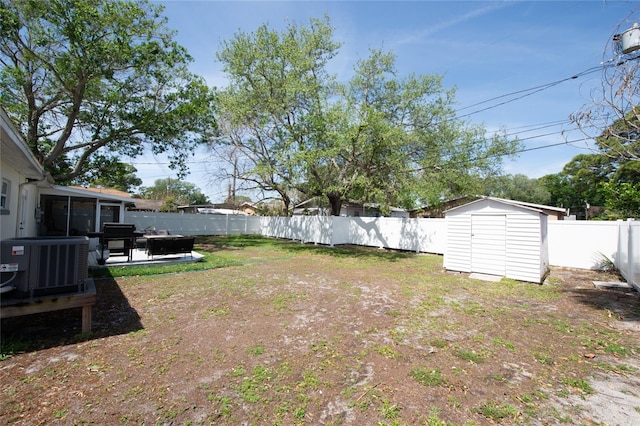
(523, 256)
(457, 256)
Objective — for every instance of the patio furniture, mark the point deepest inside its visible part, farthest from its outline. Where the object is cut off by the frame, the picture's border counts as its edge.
(117, 238)
(141, 241)
(170, 244)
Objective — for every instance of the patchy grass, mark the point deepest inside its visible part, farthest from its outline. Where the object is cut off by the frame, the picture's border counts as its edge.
(277, 332)
(427, 377)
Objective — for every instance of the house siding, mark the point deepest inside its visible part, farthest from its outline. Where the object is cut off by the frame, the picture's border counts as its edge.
(17, 167)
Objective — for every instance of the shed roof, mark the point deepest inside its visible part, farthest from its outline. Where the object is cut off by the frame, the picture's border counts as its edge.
(539, 208)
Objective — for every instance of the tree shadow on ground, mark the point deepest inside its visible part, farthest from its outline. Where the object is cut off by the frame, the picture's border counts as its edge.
(227, 242)
(621, 304)
(111, 315)
(353, 251)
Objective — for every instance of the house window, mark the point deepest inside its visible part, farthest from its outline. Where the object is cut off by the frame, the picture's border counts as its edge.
(4, 197)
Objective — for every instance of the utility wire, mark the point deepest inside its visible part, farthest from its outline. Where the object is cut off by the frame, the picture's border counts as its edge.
(526, 92)
(536, 89)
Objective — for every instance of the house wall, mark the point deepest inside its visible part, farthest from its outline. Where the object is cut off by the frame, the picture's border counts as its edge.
(9, 217)
(524, 252)
(18, 168)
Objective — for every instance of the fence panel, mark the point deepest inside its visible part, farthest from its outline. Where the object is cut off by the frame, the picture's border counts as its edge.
(628, 256)
(634, 254)
(419, 235)
(194, 224)
(582, 244)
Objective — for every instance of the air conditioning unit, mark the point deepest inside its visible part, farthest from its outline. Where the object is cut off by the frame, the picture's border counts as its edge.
(32, 267)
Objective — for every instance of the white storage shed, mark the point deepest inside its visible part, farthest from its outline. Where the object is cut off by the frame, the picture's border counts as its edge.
(497, 237)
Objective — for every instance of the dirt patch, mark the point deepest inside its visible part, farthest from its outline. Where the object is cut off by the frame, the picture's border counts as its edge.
(301, 334)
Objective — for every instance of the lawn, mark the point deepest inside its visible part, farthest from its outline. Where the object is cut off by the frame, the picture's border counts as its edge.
(267, 331)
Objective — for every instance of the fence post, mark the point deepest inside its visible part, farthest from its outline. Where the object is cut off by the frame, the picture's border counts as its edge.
(630, 254)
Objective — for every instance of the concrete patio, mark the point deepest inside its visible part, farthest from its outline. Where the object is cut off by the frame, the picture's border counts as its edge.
(139, 257)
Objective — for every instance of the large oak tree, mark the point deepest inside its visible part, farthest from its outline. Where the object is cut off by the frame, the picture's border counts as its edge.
(378, 138)
(89, 81)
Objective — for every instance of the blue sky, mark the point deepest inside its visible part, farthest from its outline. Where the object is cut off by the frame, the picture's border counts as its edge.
(484, 49)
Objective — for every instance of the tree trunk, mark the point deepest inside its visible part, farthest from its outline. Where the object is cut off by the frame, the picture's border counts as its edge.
(335, 201)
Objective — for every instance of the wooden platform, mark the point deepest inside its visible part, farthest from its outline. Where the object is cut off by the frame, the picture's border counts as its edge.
(85, 300)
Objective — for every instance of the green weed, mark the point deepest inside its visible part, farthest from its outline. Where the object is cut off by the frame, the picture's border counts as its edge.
(579, 384)
(470, 355)
(388, 410)
(387, 351)
(497, 413)
(255, 350)
(427, 377)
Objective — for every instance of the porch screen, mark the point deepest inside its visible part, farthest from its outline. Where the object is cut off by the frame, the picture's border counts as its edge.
(66, 216)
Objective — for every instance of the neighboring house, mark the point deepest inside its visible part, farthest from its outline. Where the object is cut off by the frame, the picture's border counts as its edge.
(438, 211)
(313, 207)
(223, 208)
(144, 205)
(250, 209)
(352, 209)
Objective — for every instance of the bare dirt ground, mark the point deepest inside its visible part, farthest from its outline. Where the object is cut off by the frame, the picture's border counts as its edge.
(310, 335)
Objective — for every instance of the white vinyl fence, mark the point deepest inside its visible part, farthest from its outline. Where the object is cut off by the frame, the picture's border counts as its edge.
(628, 256)
(574, 244)
(419, 235)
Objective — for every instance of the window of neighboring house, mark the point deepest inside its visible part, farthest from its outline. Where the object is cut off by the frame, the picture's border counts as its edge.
(4, 197)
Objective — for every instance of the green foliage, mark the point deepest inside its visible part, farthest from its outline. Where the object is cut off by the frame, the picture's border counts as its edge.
(377, 138)
(597, 180)
(623, 198)
(174, 192)
(428, 377)
(579, 384)
(88, 81)
(497, 412)
(471, 356)
(110, 173)
(277, 83)
(621, 141)
(518, 187)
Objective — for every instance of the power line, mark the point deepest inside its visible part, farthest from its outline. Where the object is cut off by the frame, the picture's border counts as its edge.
(525, 92)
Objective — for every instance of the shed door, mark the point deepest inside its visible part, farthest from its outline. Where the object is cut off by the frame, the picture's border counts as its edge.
(488, 244)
